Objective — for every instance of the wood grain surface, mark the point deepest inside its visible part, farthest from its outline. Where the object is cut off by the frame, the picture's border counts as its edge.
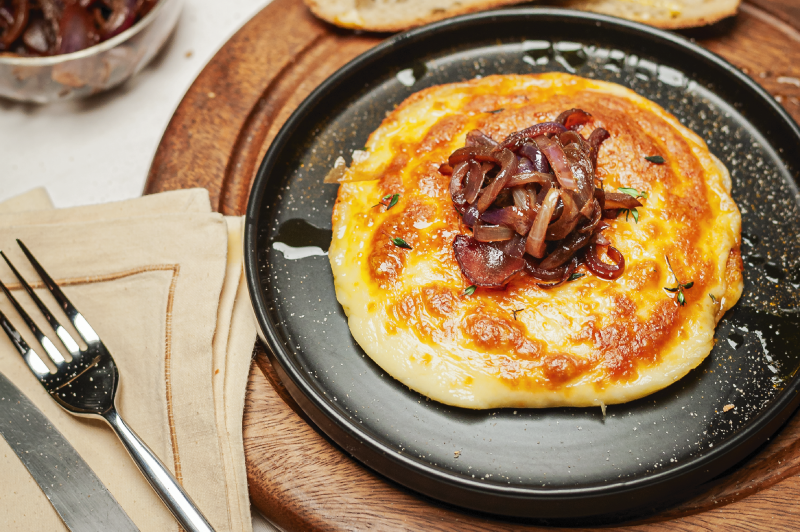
(298, 478)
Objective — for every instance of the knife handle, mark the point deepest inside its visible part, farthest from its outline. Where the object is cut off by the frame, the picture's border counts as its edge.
(159, 477)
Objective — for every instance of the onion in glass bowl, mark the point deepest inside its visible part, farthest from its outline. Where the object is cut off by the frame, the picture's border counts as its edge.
(91, 70)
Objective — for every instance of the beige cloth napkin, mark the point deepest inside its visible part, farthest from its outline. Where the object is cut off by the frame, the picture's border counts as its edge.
(160, 279)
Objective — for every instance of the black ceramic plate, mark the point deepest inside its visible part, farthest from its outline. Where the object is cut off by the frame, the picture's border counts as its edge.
(564, 463)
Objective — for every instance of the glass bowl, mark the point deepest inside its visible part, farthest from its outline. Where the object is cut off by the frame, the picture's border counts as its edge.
(89, 71)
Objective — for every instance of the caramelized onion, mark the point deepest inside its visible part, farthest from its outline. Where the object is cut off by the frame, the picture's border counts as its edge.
(491, 233)
(509, 217)
(524, 165)
(573, 118)
(568, 269)
(535, 155)
(476, 137)
(603, 269)
(479, 153)
(532, 204)
(14, 28)
(483, 263)
(567, 221)
(532, 268)
(558, 161)
(474, 181)
(618, 200)
(530, 177)
(566, 250)
(535, 245)
(508, 165)
(595, 140)
(457, 182)
(515, 141)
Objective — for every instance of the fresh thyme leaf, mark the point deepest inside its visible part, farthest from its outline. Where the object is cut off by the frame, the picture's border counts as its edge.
(575, 276)
(681, 286)
(468, 291)
(393, 202)
(633, 212)
(714, 299)
(655, 159)
(497, 111)
(386, 197)
(399, 242)
(632, 192)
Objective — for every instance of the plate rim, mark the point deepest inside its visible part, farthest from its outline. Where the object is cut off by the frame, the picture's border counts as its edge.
(369, 450)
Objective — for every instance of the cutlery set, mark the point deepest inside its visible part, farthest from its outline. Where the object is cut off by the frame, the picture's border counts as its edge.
(86, 385)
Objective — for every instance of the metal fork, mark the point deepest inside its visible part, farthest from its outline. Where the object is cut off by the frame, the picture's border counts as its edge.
(87, 386)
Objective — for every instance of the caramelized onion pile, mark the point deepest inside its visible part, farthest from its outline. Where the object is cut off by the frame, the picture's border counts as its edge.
(532, 204)
(52, 27)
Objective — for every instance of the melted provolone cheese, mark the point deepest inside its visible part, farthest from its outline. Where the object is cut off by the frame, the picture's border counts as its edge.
(587, 342)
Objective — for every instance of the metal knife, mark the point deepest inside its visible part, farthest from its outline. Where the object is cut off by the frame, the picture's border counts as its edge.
(82, 501)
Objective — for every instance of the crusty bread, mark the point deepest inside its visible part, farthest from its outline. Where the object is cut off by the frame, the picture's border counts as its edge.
(395, 15)
(398, 15)
(669, 14)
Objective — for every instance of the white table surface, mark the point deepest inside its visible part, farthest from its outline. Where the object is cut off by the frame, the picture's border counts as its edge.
(99, 149)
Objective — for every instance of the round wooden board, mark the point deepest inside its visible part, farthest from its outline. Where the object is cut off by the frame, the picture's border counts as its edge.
(297, 477)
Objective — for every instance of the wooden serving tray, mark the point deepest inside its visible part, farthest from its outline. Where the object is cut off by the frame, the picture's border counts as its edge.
(297, 477)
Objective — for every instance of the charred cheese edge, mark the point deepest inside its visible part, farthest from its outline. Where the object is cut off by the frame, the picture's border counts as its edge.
(587, 342)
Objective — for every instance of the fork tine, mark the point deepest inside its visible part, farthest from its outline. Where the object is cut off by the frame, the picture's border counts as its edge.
(48, 346)
(77, 319)
(63, 335)
(32, 359)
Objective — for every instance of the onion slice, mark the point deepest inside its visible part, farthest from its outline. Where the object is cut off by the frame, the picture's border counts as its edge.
(573, 118)
(566, 250)
(492, 233)
(509, 217)
(558, 161)
(508, 163)
(474, 181)
(618, 200)
(530, 177)
(535, 244)
(603, 269)
(515, 141)
(476, 137)
(568, 269)
(485, 264)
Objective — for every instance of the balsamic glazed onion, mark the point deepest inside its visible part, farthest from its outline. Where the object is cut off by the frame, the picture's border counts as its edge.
(533, 205)
(53, 27)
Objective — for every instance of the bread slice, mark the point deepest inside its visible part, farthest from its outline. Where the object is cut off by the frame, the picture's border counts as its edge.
(668, 14)
(395, 15)
(399, 15)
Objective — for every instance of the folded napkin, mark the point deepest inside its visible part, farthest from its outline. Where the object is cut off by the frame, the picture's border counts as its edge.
(160, 279)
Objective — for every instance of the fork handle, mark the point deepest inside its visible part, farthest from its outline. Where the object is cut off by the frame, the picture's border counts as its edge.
(159, 477)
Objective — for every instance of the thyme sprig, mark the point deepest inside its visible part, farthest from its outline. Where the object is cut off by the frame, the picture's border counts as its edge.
(390, 198)
(681, 286)
(515, 312)
(399, 242)
(634, 194)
